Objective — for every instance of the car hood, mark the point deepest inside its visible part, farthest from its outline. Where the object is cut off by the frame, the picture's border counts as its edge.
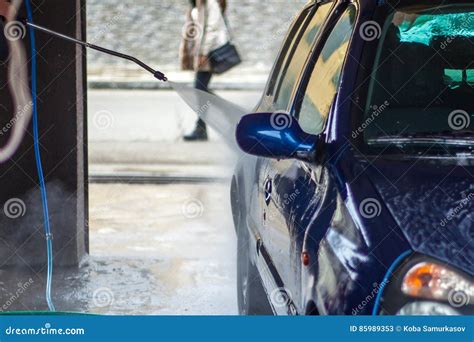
(432, 201)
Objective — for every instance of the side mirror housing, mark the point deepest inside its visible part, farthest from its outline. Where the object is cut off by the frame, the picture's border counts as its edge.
(275, 135)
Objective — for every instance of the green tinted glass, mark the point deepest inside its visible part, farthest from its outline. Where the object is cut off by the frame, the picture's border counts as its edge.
(425, 28)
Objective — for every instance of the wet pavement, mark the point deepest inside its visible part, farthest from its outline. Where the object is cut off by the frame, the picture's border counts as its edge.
(167, 249)
(183, 239)
(154, 250)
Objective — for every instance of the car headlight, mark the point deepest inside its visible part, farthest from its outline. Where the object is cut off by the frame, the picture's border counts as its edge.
(428, 280)
(425, 308)
(424, 286)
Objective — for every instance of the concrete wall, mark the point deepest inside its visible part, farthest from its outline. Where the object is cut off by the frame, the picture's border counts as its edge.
(151, 29)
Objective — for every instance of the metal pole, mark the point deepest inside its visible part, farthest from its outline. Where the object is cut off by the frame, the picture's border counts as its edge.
(156, 73)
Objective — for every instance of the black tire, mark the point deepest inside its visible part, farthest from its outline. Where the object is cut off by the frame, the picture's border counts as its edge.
(251, 296)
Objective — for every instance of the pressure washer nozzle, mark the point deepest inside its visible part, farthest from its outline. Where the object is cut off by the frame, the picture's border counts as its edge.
(159, 75)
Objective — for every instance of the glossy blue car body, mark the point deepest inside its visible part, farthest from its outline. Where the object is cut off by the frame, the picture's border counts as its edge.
(308, 207)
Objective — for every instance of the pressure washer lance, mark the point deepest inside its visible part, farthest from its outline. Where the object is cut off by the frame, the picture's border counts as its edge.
(157, 74)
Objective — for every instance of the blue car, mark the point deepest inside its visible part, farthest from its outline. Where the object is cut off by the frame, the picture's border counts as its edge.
(355, 194)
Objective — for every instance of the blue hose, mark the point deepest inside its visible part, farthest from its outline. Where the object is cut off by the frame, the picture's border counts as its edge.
(47, 228)
(386, 279)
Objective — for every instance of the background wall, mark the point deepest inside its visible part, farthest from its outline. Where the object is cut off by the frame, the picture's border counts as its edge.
(151, 29)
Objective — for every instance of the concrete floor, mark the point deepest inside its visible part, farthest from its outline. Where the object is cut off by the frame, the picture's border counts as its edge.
(154, 249)
(166, 249)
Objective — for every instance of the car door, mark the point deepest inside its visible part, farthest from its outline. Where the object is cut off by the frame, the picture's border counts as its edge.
(294, 188)
(265, 105)
(282, 84)
(257, 194)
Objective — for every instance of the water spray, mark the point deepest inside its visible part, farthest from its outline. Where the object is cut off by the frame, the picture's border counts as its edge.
(220, 114)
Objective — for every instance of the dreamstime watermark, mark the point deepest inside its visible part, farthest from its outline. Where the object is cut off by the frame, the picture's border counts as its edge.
(280, 297)
(14, 208)
(201, 110)
(219, 122)
(106, 28)
(465, 23)
(14, 30)
(103, 119)
(277, 35)
(370, 31)
(290, 198)
(20, 112)
(446, 42)
(285, 201)
(46, 330)
(103, 297)
(458, 298)
(376, 111)
(22, 287)
(457, 210)
(459, 119)
(377, 288)
(192, 208)
(370, 208)
(280, 120)
(192, 31)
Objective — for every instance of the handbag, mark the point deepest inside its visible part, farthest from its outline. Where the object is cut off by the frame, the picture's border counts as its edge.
(225, 57)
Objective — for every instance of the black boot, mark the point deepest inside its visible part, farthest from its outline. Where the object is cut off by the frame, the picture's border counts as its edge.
(199, 133)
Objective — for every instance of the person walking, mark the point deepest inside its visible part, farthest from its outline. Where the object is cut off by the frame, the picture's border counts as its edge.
(204, 32)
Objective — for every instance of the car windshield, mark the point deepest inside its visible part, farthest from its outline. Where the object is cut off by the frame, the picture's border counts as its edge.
(421, 88)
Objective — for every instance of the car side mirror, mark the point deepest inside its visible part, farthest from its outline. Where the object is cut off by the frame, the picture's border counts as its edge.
(275, 135)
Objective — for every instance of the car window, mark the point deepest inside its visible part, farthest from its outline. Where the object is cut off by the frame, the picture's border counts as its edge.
(287, 47)
(299, 55)
(324, 80)
(428, 96)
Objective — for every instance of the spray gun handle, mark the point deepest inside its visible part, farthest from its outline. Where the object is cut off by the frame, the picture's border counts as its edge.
(156, 73)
